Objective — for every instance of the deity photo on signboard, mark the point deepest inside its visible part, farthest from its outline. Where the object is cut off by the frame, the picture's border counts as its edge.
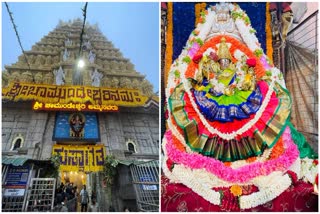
(77, 122)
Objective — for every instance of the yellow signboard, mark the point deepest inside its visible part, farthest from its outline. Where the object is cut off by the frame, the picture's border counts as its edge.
(85, 158)
(73, 94)
(38, 106)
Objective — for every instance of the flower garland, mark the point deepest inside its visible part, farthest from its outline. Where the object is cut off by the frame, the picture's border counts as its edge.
(199, 8)
(192, 182)
(269, 186)
(268, 33)
(309, 170)
(240, 175)
(169, 41)
(265, 195)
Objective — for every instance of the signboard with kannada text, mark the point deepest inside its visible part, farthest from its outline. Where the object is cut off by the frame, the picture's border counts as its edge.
(89, 158)
(38, 106)
(73, 94)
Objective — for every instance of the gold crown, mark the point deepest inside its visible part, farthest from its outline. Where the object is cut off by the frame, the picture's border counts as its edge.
(223, 51)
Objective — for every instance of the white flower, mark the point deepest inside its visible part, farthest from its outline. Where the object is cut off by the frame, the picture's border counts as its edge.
(208, 51)
(238, 54)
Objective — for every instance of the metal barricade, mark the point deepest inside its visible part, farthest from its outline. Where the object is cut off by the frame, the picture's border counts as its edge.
(146, 184)
(41, 195)
(12, 203)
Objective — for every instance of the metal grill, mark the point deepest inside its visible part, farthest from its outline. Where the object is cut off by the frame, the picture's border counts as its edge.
(12, 204)
(146, 184)
(41, 195)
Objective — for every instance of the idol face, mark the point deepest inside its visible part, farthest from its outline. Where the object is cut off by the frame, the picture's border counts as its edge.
(224, 63)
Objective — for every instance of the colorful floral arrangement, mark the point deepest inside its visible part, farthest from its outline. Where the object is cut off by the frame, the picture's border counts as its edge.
(236, 184)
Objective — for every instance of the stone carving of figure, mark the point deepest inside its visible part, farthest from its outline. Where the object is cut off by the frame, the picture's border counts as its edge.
(136, 84)
(147, 88)
(35, 48)
(113, 66)
(115, 82)
(21, 59)
(66, 54)
(67, 42)
(122, 66)
(56, 59)
(91, 57)
(130, 66)
(48, 78)
(27, 77)
(48, 60)
(60, 76)
(96, 78)
(125, 83)
(14, 77)
(106, 82)
(5, 78)
(31, 59)
(87, 45)
(38, 78)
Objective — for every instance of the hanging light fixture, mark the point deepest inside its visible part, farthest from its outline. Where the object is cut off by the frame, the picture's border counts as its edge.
(81, 63)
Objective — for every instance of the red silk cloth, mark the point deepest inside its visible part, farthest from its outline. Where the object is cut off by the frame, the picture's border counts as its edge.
(179, 198)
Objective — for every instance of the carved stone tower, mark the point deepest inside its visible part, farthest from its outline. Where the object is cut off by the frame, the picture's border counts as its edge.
(54, 60)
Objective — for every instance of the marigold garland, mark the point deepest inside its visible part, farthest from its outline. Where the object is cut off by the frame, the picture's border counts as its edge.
(277, 150)
(251, 160)
(269, 33)
(169, 42)
(199, 7)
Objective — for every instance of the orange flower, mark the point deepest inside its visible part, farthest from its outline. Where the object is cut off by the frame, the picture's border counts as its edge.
(252, 159)
(236, 190)
(269, 33)
(169, 39)
(227, 164)
(277, 150)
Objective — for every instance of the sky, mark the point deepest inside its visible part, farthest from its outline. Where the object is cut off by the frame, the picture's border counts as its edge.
(131, 27)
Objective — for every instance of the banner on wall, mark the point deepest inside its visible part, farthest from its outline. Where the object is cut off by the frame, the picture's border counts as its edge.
(38, 106)
(17, 177)
(78, 158)
(75, 126)
(73, 94)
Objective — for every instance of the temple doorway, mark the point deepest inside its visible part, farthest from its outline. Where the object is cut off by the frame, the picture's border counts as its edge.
(77, 178)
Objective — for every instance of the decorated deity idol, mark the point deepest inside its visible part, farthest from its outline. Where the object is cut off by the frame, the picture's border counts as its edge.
(229, 137)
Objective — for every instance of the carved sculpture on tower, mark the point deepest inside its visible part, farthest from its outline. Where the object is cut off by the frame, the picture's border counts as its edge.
(54, 60)
(59, 76)
(96, 78)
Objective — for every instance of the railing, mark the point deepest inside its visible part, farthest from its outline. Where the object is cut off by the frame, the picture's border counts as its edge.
(146, 184)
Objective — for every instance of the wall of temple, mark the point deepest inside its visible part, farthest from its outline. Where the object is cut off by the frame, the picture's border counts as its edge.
(116, 129)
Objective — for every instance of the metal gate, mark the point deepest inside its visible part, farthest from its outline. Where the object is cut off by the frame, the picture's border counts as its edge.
(146, 184)
(41, 195)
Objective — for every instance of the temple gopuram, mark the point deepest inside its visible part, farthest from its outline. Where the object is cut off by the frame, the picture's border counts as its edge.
(66, 123)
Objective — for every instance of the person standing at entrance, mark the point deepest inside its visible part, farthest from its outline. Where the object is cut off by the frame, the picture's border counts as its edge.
(84, 199)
